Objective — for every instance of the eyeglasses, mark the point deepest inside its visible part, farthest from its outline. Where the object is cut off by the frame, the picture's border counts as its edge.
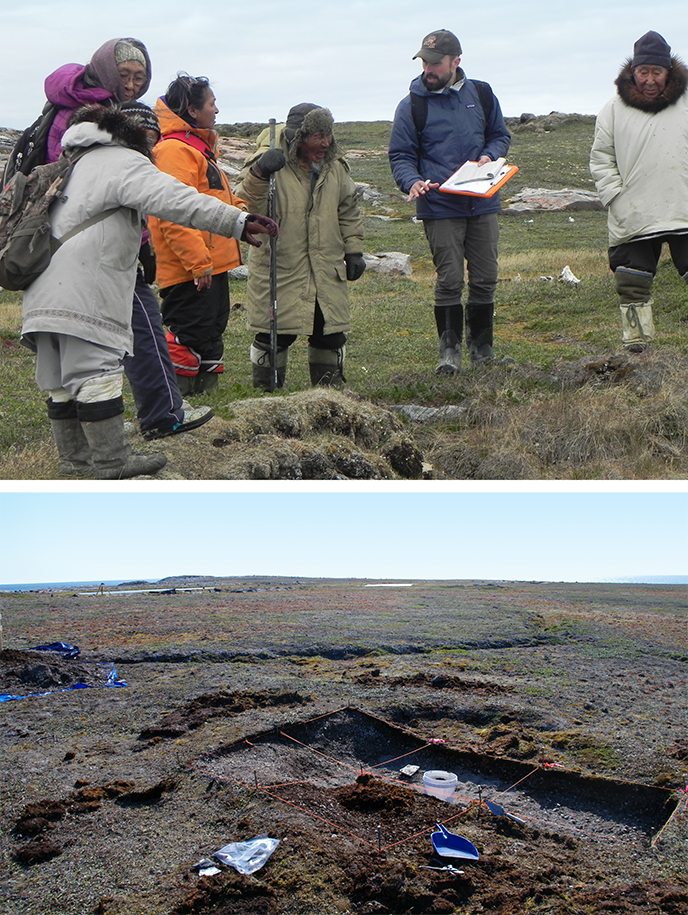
(135, 79)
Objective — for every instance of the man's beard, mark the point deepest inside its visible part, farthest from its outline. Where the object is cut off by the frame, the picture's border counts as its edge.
(437, 83)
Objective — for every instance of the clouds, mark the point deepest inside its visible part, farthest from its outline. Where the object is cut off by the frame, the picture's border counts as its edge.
(355, 58)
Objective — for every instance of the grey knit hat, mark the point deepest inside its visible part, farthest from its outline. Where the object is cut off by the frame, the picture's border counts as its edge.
(125, 50)
(651, 51)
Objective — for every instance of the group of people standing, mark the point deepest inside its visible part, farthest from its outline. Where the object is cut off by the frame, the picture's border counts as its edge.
(93, 315)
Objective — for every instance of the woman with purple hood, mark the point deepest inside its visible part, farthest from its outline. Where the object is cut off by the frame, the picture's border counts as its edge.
(120, 72)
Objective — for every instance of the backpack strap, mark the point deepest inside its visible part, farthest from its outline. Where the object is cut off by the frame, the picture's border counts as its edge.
(486, 96)
(191, 139)
(92, 220)
(87, 223)
(419, 105)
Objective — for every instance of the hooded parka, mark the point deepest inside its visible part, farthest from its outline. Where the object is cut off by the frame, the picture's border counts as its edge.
(639, 158)
(318, 227)
(185, 254)
(87, 289)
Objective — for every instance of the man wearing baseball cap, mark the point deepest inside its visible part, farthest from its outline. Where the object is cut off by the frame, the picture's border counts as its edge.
(446, 120)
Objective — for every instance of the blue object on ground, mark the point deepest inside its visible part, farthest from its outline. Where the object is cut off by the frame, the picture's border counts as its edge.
(113, 679)
(64, 648)
(449, 845)
(6, 697)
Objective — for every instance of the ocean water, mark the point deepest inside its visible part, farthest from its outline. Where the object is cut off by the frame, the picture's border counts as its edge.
(47, 585)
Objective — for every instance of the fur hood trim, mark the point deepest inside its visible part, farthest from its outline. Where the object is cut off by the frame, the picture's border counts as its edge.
(120, 128)
(677, 82)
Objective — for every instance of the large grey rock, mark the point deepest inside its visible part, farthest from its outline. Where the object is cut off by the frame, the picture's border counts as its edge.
(539, 200)
(389, 263)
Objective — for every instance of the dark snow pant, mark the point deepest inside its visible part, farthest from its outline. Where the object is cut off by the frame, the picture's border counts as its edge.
(318, 340)
(150, 371)
(644, 254)
(198, 318)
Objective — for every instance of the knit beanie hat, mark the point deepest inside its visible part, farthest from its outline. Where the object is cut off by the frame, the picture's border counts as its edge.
(125, 50)
(651, 50)
(143, 115)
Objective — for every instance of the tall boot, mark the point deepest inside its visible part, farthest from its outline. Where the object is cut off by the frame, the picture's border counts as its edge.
(637, 327)
(111, 455)
(479, 327)
(326, 366)
(73, 449)
(262, 370)
(449, 321)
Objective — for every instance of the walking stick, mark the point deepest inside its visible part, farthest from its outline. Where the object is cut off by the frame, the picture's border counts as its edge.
(273, 273)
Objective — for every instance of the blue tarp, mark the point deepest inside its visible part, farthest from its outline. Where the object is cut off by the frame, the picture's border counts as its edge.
(64, 648)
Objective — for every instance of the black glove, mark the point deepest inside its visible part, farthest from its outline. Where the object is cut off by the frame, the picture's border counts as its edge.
(355, 265)
(270, 162)
(147, 261)
(258, 225)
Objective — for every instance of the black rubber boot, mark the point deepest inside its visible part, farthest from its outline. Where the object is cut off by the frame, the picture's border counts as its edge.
(479, 326)
(449, 321)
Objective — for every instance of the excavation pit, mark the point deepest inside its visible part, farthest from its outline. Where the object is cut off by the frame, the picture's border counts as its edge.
(303, 762)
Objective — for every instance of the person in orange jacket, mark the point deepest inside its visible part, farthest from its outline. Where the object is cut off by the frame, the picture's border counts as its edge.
(192, 266)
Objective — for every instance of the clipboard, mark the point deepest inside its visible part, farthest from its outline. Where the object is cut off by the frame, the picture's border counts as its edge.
(475, 180)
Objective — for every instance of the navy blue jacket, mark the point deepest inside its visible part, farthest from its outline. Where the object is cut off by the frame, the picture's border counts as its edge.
(455, 131)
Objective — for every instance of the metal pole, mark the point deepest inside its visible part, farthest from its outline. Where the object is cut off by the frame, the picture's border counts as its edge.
(273, 272)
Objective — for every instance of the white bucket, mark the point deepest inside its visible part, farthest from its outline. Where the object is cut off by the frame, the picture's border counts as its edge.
(440, 784)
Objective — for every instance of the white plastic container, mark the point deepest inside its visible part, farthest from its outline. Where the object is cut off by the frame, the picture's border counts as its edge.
(440, 784)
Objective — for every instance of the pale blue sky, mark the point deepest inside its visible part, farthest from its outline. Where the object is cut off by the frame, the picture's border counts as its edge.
(574, 536)
(354, 57)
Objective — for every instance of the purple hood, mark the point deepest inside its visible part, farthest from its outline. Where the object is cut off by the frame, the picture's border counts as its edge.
(65, 88)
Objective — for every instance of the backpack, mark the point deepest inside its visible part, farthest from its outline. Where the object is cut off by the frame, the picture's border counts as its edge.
(419, 104)
(31, 148)
(26, 241)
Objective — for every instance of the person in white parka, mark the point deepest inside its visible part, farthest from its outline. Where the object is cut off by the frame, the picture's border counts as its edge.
(77, 314)
(639, 160)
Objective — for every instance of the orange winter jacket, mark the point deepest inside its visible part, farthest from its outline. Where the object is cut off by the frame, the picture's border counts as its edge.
(185, 254)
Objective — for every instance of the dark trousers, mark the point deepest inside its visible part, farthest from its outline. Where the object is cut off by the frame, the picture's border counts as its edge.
(473, 239)
(199, 318)
(318, 340)
(150, 371)
(644, 253)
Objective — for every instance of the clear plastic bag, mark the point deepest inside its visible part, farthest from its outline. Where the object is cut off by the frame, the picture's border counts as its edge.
(247, 857)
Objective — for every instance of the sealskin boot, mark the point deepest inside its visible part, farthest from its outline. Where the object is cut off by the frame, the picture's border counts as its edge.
(111, 454)
(73, 449)
(326, 366)
(637, 327)
(262, 372)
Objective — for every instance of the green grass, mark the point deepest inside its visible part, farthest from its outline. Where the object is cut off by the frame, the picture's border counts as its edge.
(541, 324)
